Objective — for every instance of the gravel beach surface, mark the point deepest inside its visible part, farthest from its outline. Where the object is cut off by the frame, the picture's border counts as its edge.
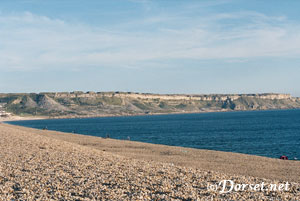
(40, 167)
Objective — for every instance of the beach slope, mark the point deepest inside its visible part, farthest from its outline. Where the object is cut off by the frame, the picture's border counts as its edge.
(48, 165)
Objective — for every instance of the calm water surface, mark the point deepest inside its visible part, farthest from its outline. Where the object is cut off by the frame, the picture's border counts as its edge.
(264, 133)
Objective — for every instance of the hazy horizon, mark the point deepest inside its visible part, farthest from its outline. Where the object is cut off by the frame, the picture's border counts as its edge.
(145, 46)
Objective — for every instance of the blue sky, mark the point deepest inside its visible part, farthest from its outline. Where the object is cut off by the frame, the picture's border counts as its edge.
(224, 46)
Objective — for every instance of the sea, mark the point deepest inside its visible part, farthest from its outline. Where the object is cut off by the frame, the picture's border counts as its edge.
(264, 133)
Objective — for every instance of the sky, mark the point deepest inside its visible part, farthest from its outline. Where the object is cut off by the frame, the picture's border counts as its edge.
(152, 46)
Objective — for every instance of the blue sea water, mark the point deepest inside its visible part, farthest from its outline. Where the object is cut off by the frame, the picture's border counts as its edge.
(264, 133)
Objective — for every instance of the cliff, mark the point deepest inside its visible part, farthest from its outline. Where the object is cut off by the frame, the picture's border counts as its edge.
(126, 103)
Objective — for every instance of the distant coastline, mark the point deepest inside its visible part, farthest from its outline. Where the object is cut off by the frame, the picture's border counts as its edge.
(22, 106)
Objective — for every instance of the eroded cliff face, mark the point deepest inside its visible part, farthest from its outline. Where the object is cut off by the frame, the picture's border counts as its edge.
(172, 96)
(122, 103)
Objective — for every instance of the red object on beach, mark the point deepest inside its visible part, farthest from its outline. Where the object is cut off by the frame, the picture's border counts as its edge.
(284, 157)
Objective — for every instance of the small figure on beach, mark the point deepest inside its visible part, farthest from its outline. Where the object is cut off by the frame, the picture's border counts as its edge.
(107, 135)
(283, 157)
(128, 138)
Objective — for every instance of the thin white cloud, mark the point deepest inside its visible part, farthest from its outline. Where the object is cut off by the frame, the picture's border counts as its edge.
(29, 41)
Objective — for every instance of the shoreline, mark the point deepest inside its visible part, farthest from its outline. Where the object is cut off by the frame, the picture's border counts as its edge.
(88, 135)
(20, 118)
(45, 118)
(24, 118)
(189, 157)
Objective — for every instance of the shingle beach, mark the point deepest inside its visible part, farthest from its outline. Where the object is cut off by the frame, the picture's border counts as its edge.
(38, 165)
